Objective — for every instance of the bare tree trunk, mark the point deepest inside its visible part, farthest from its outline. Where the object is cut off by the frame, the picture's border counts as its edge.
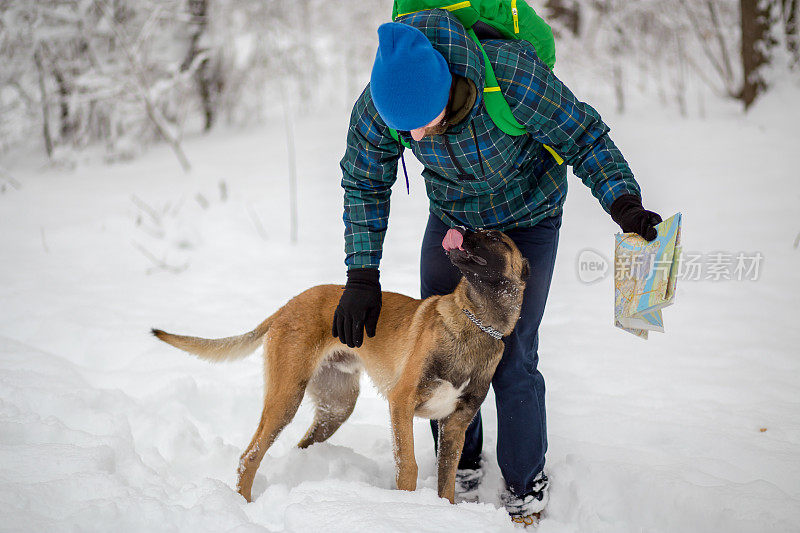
(204, 75)
(48, 138)
(791, 13)
(680, 79)
(723, 46)
(616, 69)
(65, 128)
(755, 45)
(567, 11)
(290, 150)
(619, 90)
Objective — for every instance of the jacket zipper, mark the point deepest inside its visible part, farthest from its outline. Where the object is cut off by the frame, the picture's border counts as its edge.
(461, 174)
(477, 147)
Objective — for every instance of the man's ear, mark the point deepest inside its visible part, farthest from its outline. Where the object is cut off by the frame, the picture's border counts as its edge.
(526, 269)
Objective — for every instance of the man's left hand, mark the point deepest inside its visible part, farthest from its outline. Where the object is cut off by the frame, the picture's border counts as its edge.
(627, 211)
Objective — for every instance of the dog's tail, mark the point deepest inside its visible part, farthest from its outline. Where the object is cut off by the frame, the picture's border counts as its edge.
(225, 349)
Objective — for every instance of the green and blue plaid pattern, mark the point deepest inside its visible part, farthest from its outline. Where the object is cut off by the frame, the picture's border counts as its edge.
(513, 182)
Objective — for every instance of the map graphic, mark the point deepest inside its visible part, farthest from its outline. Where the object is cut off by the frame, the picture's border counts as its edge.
(645, 276)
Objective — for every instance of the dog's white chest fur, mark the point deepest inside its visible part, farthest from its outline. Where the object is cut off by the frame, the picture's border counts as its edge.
(442, 402)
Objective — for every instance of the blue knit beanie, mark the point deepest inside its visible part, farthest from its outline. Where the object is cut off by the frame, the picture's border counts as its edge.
(410, 82)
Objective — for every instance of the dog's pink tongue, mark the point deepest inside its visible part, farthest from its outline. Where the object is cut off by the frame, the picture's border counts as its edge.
(452, 240)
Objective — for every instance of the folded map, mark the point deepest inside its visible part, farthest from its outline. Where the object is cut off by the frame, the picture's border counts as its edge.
(645, 274)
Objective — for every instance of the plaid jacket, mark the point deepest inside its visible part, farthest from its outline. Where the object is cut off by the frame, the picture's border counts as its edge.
(513, 182)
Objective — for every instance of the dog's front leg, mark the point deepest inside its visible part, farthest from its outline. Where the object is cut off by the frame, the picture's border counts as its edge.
(402, 415)
(451, 442)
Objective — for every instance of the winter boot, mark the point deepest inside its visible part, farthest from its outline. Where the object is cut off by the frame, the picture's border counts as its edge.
(467, 482)
(526, 510)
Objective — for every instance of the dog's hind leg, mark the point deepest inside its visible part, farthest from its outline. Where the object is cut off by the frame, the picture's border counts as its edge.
(286, 380)
(334, 388)
(278, 412)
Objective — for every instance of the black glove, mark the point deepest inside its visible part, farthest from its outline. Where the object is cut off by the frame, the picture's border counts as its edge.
(627, 211)
(358, 307)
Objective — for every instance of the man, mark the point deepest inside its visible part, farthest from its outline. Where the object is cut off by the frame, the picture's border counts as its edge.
(427, 83)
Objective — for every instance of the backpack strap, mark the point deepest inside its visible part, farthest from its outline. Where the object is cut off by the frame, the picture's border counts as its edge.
(497, 105)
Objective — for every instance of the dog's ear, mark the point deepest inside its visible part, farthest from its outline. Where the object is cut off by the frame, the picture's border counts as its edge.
(526, 269)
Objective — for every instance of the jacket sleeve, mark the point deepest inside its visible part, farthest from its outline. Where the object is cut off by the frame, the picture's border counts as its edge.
(369, 169)
(574, 129)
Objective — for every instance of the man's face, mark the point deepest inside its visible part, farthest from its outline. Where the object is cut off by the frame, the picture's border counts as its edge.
(435, 127)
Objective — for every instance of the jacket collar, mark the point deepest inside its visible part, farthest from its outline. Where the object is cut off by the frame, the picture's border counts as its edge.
(462, 101)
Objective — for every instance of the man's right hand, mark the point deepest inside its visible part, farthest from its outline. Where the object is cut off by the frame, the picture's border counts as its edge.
(627, 211)
(359, 307)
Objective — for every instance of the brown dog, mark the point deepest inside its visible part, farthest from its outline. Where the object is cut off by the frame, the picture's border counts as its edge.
(432, 358)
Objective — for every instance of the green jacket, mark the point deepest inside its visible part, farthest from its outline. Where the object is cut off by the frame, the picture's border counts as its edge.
(476, 175)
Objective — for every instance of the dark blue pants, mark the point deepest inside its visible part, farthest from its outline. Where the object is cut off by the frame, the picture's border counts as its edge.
(518, 385)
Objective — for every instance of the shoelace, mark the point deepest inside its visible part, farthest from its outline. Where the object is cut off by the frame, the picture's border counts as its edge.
(528, 520)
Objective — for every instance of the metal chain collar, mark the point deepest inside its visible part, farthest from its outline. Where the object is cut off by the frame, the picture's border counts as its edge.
(488, 329)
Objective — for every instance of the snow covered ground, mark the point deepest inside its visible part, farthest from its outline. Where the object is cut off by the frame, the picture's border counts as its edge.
(102, 427)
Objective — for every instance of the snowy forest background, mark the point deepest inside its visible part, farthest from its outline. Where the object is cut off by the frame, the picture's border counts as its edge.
(121, 74)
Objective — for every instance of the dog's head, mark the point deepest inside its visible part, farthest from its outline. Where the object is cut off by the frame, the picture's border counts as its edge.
(486, 256)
